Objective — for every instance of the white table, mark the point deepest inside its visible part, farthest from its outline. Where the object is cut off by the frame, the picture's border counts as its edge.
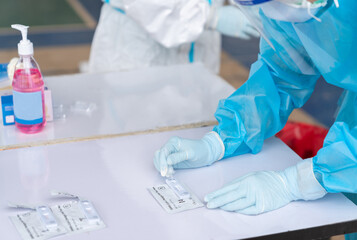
(115, 173)
(125, 102)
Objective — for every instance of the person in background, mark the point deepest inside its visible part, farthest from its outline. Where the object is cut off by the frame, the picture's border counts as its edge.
(142, 33)
(301, 41)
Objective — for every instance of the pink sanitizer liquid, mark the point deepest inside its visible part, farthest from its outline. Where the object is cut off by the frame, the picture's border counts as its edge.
(28, 88)
(29, 82)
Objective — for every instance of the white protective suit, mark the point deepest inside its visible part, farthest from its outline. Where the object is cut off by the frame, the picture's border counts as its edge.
(141, 33)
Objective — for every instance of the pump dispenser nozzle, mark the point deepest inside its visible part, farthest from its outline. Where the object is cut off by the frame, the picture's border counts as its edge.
(25, 46)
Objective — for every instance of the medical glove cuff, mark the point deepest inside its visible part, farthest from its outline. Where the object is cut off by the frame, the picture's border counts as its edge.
(215, 145)
(309, 187)
(302, 182)
(212, 19)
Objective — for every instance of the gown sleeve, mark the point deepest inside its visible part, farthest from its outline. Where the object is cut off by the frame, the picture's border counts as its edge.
(335, 165)
(279, 82)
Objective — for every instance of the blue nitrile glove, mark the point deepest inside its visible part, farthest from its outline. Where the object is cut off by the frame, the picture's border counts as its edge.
(265, 191)
(186, 153)
(232, 22)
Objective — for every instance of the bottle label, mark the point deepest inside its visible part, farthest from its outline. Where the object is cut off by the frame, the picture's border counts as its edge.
(28, 107)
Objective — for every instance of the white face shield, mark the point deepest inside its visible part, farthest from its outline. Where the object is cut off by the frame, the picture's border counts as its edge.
(281, 10)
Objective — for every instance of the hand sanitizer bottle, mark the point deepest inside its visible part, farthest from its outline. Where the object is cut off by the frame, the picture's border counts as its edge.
(28, 88)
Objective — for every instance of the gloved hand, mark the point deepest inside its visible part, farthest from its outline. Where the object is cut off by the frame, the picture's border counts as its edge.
(265, 191)
(186, 153)
(230, 21)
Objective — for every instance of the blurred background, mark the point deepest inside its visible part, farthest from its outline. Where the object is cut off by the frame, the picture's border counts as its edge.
(62, 32)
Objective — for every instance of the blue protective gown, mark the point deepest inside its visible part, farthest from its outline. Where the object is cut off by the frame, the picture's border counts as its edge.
(283, 80)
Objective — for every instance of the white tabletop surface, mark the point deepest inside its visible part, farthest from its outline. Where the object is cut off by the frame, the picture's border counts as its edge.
(115, 173)
(126, 102)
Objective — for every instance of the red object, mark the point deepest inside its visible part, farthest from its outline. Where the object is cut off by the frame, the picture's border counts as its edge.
(305, 139)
